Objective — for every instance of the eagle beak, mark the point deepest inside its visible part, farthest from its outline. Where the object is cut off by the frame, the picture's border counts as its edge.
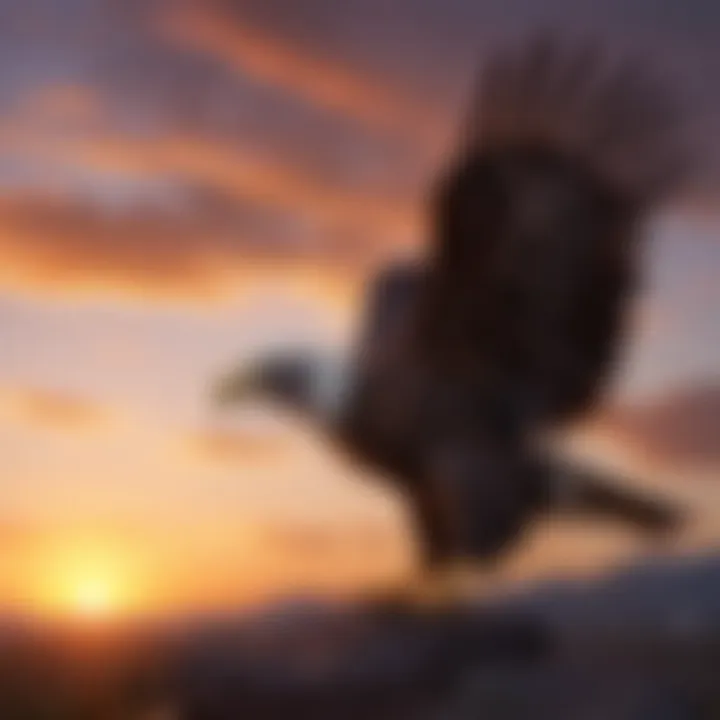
(237, 387)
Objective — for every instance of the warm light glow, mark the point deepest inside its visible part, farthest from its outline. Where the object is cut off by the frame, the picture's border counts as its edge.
(93, 591)
(94, 597)
(89, 583)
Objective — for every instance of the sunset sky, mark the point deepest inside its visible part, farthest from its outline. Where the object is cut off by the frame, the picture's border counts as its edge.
(182, 184)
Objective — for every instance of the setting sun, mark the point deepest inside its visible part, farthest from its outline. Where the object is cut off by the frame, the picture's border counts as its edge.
(89, 582)
(94, 588)
(94, 596)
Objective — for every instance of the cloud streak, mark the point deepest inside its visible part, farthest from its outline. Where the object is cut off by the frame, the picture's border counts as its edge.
(173, 214)
(297, 71)
(243, 175)
(681, 429)
(67, 246)
(52, 410)
(228, 447)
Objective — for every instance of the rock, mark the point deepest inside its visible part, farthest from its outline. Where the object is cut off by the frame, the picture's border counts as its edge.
(642, 644)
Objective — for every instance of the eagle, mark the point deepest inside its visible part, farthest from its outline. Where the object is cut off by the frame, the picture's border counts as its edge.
(509, 326)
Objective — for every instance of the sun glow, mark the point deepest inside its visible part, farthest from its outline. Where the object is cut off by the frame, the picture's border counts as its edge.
(89, 583)
(94, 596)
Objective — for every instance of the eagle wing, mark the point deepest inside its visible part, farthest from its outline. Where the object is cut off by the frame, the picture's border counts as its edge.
(375, 425)
(537, 224)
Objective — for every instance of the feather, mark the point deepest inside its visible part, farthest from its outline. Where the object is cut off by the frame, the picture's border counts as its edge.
(613, 117)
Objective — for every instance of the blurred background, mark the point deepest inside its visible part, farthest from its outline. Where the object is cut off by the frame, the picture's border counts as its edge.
(183, 184)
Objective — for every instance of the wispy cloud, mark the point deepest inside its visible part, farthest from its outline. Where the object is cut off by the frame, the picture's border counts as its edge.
(297, 540)
(666, 438)
(51, 245)
(298, 71)
(61, 103)
(42, 408)
(681, 429)
(171, 214)
(229, 447)
(242, 174)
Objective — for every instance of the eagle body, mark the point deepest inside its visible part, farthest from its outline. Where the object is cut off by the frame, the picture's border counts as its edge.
(510, 325)
(431, 434)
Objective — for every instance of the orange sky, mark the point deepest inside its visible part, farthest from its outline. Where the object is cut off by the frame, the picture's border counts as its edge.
(184, 184)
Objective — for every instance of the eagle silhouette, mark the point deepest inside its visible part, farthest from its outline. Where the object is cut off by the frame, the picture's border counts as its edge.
(510, 325)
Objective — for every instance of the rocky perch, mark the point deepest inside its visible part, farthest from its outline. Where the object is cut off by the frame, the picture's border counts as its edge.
(642, 644)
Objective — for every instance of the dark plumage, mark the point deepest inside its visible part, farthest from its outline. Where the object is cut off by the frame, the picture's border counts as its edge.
(463, 454)
(512, 323)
